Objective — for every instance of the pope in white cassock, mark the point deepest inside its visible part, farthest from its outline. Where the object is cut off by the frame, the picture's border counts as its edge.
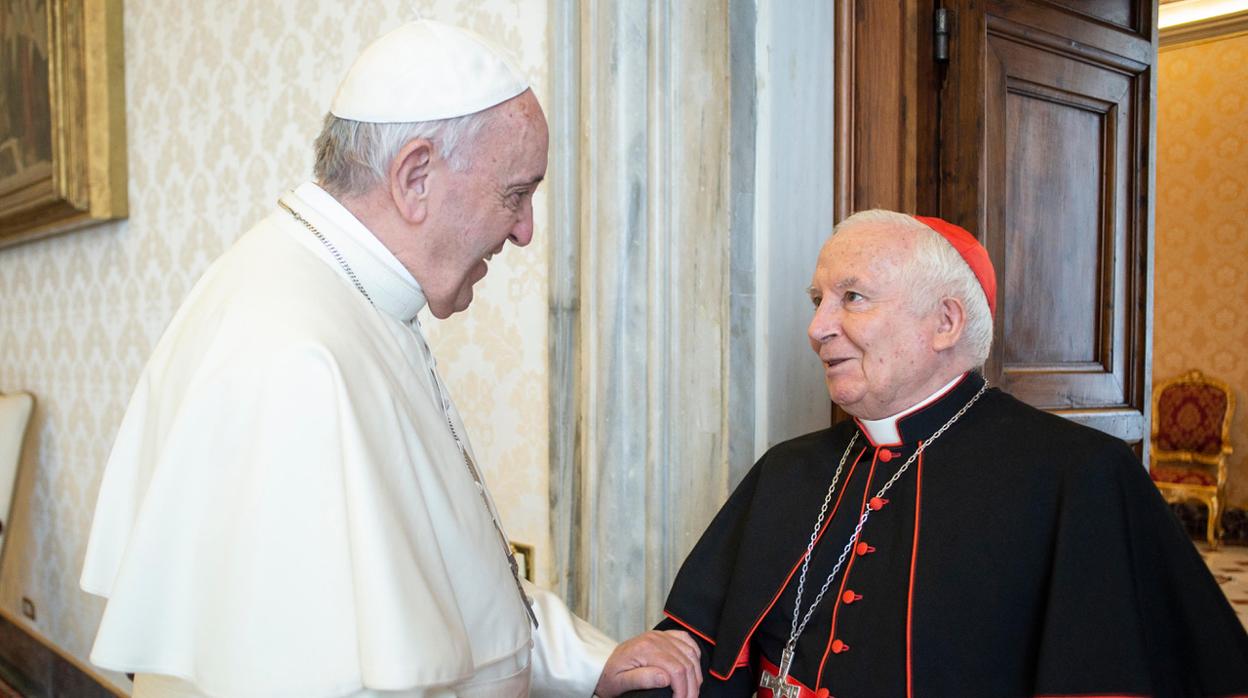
(292, 507)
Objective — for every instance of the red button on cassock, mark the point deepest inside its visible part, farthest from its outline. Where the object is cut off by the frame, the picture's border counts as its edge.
(849, 596)
(886, 455)
(838, 647)
(877, 503)
(862, 549)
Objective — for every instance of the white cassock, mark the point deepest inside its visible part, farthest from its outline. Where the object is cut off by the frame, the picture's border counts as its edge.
(286, 511)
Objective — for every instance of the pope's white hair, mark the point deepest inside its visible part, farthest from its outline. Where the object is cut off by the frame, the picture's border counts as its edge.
(936, 271)
(352, 157)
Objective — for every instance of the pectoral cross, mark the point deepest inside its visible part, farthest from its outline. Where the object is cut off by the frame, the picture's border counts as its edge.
(779, 685)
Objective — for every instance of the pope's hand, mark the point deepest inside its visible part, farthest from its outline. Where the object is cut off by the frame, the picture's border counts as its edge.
(653, 659)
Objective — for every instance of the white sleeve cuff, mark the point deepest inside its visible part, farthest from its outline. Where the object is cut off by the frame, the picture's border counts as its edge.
(568, 653)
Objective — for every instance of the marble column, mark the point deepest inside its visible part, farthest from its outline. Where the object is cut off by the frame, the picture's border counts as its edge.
(641, 295)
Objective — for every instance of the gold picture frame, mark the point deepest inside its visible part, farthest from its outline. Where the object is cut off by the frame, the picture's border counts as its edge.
(62, 116)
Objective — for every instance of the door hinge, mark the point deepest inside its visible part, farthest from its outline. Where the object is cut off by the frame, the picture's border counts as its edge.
(940, 38)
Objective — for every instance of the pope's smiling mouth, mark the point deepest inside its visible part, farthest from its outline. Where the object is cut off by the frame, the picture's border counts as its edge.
(485, 261)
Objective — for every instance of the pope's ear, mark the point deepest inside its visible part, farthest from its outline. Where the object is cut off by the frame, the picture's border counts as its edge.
(951, 316)
(409, 179)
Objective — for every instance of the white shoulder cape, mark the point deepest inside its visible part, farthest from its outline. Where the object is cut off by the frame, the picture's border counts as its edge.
(284, 512)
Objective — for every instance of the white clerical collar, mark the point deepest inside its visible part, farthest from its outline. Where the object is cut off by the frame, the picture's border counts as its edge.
(390, 286)
(883, 432)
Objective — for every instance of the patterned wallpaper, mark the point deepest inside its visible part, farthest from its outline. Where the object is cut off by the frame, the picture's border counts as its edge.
(1201, 318)
(223, 101)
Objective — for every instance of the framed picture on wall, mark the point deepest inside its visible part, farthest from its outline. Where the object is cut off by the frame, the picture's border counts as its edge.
(62, 116)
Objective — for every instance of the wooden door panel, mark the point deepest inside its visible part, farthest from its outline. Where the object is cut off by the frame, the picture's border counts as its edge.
(1123, 14)
(1068, 25)
(1066, 137)
(1050, 273)
(1044, 144)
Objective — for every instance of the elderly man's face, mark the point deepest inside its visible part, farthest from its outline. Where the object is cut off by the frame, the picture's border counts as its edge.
(877, 352)
(479, 210)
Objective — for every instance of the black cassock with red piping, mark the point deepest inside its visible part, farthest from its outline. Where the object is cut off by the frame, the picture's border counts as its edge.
(1021, 555)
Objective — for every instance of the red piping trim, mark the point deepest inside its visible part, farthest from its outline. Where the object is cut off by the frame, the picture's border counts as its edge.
(689, 627)
(911, 412)
(836, 606)
(914, 553)
(932, 402)
(743, 659)
(745, 643)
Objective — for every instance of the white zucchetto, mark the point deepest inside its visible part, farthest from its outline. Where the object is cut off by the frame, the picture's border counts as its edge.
(424, 71)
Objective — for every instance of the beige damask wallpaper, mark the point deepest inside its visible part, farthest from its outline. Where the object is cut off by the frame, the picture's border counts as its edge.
(223, 100)
(1201, 302)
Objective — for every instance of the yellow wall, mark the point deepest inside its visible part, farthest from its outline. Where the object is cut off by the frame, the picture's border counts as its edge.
(1201, 301)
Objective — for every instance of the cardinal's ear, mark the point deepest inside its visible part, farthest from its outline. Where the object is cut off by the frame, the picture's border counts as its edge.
(951, 316)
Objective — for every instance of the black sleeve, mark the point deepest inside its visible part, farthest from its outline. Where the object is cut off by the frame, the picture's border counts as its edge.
(1196, 644)
(1151, 620)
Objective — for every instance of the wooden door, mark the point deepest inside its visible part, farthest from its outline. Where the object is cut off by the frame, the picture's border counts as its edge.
(1045, 142)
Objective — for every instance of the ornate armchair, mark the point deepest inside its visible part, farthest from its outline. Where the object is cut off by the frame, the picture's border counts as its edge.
(15, 412)
(1190, 442)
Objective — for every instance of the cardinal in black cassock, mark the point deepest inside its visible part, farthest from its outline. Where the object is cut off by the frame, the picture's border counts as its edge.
(968, 545)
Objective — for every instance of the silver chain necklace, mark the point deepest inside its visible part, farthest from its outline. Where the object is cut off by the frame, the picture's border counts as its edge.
(333, 251)
(779, 685)
(446, 412)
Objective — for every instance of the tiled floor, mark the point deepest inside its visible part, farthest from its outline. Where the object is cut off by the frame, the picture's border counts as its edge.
(1229, 565)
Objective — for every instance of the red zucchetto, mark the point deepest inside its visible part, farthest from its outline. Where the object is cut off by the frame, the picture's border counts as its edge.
(970, 250)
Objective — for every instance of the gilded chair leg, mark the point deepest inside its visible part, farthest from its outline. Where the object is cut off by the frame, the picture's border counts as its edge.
(1215, 522)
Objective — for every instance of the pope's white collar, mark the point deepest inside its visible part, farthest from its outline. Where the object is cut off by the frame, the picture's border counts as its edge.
(390, 285)
(883, 432)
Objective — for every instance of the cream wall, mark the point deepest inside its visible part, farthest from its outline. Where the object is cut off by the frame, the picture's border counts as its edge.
(1200, 313)
(223, 100)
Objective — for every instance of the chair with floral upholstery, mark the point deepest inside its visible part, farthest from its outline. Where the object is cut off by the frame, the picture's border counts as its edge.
(1190, 442)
